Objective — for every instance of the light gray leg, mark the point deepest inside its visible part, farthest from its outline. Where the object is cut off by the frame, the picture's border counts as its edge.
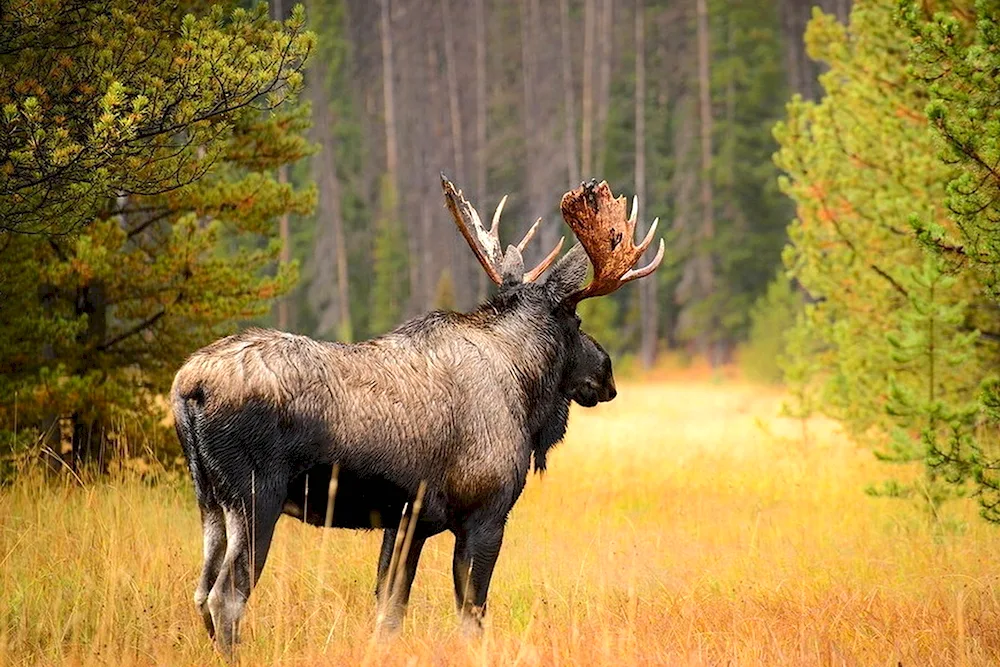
(246, 552)
(213, 525)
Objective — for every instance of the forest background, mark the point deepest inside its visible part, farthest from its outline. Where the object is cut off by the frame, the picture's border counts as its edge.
(169, 174)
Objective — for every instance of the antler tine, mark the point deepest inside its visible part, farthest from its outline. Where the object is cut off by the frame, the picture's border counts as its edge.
(635, 274)
(485, 244)
(598, 219)
(649, 236)
(528, 236)
(532, 276)
(495, 226)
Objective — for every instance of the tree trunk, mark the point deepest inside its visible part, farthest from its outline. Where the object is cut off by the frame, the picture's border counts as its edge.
(278, 14)
(453, 107)
(88, 431)
(481, 111)
(843, 11)
(647, 288)
(459, 265)
(332, 310)
(286, 254)
(388, 88)
(433, 148)
(707, 230)
(534, 132)
(392, 150)
(605, 40)
(569, 102)
(49, 297)
(587, 122)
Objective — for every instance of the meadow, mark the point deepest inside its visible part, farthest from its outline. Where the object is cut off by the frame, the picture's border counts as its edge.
(685, 523)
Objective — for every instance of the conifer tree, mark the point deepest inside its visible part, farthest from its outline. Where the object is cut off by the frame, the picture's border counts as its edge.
(956, 55)
(895, 351)
(139, 198)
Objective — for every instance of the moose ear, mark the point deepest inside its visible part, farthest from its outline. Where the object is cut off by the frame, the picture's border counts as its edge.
(568, 273)
(512, 267)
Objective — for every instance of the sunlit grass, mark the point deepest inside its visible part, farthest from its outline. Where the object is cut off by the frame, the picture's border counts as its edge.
(680, 524)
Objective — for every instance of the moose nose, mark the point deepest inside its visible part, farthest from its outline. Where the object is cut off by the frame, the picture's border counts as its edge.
(609, 391)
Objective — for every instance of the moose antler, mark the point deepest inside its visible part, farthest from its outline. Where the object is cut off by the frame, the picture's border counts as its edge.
(598, 221)
(486, 244)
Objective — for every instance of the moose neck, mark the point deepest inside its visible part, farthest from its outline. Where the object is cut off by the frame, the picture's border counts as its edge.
(523, 318)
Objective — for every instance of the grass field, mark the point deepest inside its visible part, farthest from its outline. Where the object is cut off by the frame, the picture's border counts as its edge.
(681, 524)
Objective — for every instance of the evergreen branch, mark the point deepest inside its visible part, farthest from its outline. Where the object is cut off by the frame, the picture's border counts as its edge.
(142, 326)
(151, 221)
(899, 288)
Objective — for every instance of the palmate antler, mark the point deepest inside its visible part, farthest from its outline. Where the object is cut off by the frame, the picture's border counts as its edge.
(486, 244)
(598, 221)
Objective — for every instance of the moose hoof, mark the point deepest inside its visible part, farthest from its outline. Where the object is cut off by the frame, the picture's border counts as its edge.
(388, 625)
(472, 624)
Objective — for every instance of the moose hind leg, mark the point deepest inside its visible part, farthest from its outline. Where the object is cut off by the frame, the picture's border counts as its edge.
(213, 524)
(248, 533)
(476, 551)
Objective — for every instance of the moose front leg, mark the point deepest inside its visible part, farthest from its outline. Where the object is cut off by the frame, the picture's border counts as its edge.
(477, 546)
(393, 595)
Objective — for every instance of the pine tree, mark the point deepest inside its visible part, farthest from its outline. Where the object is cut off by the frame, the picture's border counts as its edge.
(175, 150)
(101, 99)
(896, 357)
(956, 55)
(931, 426)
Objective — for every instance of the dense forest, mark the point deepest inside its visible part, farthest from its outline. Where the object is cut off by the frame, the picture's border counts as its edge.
(826, 173)
(671, 101)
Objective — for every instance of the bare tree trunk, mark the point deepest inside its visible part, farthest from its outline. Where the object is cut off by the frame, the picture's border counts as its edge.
(793, 60)
(647, 290)
(481, 110)
(286, 253)
(434, 151)
(277, 13)
(456, 118)
(587, 130)
(843, 11)
(391, 150)
(705, 113)
(707, 231)
(732, 210)
(533, 126)
(334, 313)
(569, 103)
(605, 40)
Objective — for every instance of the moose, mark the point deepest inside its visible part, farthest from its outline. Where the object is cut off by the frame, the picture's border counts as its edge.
(442, 415)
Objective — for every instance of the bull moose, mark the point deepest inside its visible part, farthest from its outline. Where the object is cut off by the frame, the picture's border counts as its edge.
(445, 412)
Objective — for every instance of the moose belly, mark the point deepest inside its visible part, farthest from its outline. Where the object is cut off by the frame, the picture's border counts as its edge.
(359, 502)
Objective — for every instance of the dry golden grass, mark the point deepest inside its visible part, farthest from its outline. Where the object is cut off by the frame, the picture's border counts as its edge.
(682, 525)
